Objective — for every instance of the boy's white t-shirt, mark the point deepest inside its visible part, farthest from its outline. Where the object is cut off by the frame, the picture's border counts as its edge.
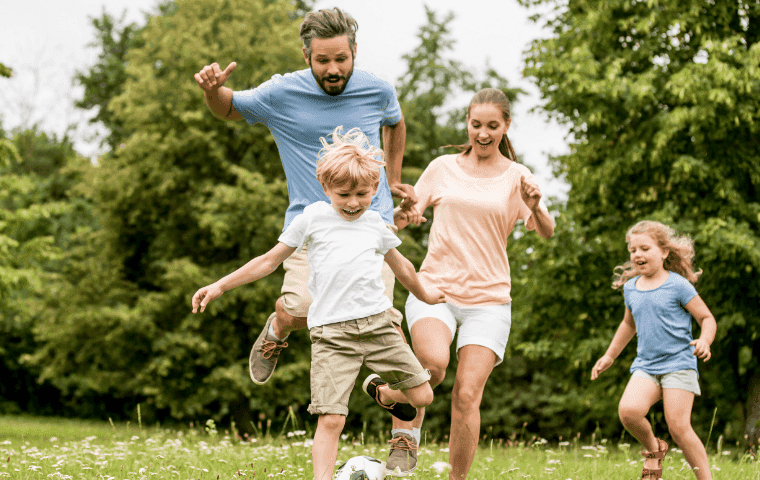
(346, 262)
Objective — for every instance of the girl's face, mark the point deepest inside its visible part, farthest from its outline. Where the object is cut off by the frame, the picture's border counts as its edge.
(350, 203)
(485, 128)
(646, 255)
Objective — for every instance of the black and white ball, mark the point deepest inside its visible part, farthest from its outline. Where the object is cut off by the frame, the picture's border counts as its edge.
(361, 468)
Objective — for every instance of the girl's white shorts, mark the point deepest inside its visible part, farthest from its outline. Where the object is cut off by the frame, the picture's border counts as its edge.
(487, 326)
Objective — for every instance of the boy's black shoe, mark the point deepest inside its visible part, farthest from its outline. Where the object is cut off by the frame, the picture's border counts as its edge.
(402, 411)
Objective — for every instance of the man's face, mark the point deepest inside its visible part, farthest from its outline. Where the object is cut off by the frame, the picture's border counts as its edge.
(331, 62)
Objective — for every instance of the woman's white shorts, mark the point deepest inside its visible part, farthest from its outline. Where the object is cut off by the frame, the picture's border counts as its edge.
(487, 326)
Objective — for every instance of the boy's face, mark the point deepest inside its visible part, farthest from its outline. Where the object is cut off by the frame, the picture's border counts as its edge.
(350, 203)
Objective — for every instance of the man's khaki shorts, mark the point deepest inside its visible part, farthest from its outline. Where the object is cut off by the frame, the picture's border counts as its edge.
(338, 351)
(295, 294)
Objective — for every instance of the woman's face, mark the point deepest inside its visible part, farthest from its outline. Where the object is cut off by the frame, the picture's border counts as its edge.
(485, 128)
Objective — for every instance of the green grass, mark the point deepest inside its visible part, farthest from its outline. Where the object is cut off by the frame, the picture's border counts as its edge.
(35, 448)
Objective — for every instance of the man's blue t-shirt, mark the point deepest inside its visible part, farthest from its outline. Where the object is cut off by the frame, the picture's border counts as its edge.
(663, 325)
(298, 112)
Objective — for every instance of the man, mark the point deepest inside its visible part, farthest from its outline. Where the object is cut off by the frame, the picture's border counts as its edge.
(299, 108)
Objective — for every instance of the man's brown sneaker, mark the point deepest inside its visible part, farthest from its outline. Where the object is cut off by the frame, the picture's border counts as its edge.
(264, 355)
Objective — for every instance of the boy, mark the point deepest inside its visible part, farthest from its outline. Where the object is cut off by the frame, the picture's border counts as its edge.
(350, 320)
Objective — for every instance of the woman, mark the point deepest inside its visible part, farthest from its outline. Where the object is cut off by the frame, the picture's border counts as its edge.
(477, 197)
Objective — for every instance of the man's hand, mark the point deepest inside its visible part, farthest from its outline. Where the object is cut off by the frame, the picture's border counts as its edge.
(406, 193)
(211, 77)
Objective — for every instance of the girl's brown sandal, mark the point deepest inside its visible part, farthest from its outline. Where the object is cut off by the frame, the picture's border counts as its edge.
(655, 473)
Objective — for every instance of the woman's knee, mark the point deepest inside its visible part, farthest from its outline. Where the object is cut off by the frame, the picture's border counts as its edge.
(465, 397)
(437, 374)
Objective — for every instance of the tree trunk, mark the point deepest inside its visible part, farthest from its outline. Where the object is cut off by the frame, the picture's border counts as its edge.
(752, 425)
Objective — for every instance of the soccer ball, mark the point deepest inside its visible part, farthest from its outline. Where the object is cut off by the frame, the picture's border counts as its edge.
(361, 468)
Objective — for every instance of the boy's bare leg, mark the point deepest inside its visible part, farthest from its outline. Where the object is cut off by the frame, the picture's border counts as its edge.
(324, 452)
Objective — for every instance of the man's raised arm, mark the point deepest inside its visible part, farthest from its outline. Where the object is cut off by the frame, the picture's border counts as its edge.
(218, 97)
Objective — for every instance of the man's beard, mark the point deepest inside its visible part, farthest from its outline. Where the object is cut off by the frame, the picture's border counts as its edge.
(333, 90)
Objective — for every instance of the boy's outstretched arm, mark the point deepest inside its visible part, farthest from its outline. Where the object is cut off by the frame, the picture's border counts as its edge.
(624, 334)
(257, 268)
(707, 323)
(407, 275)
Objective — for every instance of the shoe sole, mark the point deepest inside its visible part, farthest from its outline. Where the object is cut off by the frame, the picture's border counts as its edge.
(367, 382)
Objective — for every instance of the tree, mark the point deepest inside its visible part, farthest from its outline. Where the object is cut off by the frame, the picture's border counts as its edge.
(183, 199)
(659, 100)
(38, 216)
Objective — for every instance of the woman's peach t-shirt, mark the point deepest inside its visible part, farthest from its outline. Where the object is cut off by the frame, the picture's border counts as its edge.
(472, 220)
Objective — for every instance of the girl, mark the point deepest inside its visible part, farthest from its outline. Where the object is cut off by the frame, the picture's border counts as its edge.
(659, 300)
(477, 197)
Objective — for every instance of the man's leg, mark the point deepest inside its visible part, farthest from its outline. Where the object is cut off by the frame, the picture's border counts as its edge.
(289, 315)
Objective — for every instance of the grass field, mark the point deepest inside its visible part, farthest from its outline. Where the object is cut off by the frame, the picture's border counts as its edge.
(37, 448)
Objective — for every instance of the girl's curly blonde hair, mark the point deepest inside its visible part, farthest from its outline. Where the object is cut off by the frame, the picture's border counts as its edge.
(349, 160)
(680, 250)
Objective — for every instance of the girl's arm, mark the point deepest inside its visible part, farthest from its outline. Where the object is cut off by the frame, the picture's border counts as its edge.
(255, 269)
(707, 323)
(407, 275)
(624, 334)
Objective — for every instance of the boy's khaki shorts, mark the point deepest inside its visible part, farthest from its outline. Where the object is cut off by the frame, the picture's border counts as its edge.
(340, 349)
(295, 294)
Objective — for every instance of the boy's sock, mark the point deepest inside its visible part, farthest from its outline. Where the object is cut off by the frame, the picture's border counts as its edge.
(270, 333)
(416, 433)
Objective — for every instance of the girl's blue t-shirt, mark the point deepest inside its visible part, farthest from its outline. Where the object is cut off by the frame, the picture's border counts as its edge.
(298, 113)
(663, 325)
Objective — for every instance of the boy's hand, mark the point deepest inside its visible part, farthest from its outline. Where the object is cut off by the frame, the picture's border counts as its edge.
(205, 295)
(433, 296)
(601, 365)
(701, 349)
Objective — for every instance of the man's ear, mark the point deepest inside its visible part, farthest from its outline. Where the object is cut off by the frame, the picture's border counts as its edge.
(306, 56)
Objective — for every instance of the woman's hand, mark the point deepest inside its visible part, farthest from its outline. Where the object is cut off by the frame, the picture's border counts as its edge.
(530, 192)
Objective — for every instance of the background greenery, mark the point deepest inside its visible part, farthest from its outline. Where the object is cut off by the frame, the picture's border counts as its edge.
(98, 261)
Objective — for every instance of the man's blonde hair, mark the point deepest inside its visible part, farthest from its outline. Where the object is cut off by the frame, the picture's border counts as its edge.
(349, 160)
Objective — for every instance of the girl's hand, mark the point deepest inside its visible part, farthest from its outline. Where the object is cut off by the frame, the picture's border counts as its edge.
(205, 295)
(601, 365)
(530, 192)
(701, 349)
(433, 296)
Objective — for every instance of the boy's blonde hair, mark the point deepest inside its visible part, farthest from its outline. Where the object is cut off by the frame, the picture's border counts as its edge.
(349, 160)
(680, 250)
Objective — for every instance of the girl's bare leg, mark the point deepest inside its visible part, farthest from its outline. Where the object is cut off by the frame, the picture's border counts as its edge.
(678, 404)
(638, 398)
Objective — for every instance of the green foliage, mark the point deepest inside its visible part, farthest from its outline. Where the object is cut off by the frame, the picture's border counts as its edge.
(182, 200)
(659, 99)
(5, 71)
(38, 214)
